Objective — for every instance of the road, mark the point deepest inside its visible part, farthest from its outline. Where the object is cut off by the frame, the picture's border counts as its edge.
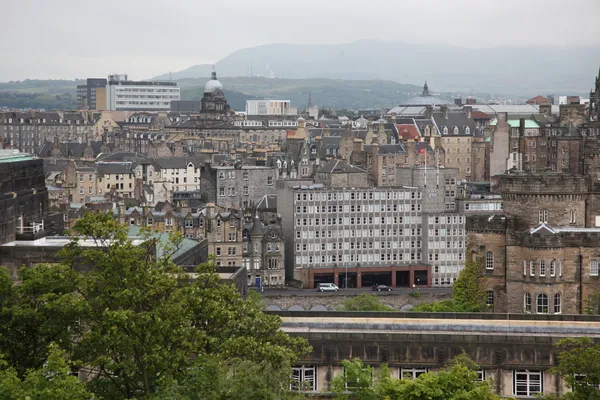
(344, 292)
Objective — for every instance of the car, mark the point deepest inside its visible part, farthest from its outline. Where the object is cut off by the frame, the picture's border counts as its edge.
(382, 288)
(327, 287)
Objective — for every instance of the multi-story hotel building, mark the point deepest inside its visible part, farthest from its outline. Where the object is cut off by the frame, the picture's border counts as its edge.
(126, 95)
(357, 237)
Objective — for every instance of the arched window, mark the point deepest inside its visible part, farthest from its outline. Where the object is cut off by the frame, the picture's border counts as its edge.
(456, 130)
(527, 303)
(489, 260)
(557, 303)
(467, 131)
(445, 130)
(542, 304)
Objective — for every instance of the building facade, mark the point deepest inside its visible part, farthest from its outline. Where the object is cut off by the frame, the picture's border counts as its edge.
(125, 95)
(268, 107)
(87, 94)
(358, 237)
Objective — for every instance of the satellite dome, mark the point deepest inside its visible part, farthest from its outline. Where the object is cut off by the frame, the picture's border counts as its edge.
(213, 84)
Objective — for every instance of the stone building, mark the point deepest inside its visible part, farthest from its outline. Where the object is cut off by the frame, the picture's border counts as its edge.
(457, 130)
(540, 254)
(233, 184)
(264, 254)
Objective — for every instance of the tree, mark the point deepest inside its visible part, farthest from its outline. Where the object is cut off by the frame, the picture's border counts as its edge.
(214, 379)
(467, 295)
(458, 381)
(578, 365)
(364, 302)
(50, 382)
(41, 310)
(146, 322)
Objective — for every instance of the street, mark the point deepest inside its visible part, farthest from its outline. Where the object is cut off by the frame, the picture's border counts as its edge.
(345, 292)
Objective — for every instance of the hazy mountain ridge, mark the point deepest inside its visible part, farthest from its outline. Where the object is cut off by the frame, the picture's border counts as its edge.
(520, 71)
(331, 93)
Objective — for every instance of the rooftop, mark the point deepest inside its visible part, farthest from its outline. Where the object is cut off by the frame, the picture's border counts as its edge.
(11, 155)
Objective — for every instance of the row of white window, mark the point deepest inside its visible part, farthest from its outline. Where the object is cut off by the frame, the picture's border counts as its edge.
(371, 195)
(525, 382)
(350, 258)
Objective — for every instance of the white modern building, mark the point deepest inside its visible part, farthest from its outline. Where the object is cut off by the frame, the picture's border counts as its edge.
(269, 107)
(125, 95)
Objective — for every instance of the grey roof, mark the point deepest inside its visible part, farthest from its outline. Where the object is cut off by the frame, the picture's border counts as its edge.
(426, 99)
(387, 149)
(177, 162)
(257, 227)
(513, 109)
(339, 166)
(121, 156)
(70, 149)
(267, 202)
(108, 168)
(454, 119)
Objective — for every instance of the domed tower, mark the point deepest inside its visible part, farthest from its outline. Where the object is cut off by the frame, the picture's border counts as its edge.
(213, 101)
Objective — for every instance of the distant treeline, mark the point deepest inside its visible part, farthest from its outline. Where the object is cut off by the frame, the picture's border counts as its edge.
(63, 101)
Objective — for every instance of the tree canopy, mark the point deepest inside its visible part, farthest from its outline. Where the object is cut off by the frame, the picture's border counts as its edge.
(467, 295)
(364, 302)
(458, 381)
(136, 322)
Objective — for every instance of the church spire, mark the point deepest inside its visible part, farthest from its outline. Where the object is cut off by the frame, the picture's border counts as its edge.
(309, 100)
(425, 89)
(213, 74)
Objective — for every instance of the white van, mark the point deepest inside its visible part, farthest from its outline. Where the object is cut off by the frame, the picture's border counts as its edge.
(327, 287)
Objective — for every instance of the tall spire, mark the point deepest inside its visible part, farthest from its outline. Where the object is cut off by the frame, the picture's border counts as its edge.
(213, 74)
(309, 99)
(425, 89)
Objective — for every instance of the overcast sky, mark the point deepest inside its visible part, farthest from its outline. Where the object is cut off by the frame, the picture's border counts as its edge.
(67, 39)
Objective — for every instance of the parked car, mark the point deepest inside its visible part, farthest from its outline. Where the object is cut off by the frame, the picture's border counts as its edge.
(382, 288)
(327, 287)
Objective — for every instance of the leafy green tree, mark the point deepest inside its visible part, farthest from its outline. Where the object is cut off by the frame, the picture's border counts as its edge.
(214, 379)
(358, 381)
(146, 322)
(364, 302)
(467, 295)
(42, 309)
(457, 382)
(50, 382)
(579, 366)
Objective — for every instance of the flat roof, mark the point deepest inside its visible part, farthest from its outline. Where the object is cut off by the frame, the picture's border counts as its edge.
(11, 155)
(62, 241)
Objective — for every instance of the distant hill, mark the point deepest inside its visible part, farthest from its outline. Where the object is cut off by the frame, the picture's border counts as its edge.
(332, 93)
(522, 71)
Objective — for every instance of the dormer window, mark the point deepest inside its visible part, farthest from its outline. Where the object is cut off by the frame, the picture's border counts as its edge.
(467, 131)
(456, 130)
(313, 150)
(445, 130)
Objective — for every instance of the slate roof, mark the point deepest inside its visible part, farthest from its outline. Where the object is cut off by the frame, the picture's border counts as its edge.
(455, 118)
(178, 162)
(339, 166)
(267, 202)
(109, 168)
(70, 149)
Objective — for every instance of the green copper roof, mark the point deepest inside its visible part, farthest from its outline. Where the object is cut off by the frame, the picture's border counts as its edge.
(8, 156)
(515, 123)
